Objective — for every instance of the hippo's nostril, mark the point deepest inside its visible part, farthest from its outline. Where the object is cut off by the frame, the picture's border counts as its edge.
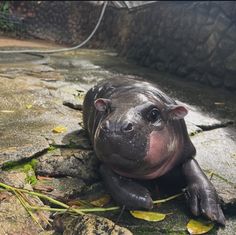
(128, 127)
(105, 125)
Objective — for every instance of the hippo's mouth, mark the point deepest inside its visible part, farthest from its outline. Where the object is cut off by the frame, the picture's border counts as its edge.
(120, 163)
(134, 158)
(140, 171)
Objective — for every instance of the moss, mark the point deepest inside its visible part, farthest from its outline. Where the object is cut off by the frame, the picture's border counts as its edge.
(27, 167)
(10, 165)
(33, 163)
(30, 174)
(195, 132)
(51, 148)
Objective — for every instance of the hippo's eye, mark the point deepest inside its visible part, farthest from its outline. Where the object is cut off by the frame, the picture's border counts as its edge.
(153, 115)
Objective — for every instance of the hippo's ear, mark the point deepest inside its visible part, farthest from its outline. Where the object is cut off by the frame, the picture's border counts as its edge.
(102, 104)
(177, 111)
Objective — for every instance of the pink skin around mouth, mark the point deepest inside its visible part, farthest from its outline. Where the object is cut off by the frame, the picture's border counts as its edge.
(160, 158)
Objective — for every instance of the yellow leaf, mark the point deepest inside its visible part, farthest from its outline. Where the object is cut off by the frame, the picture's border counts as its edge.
(102, 201)
(148, 215)
(59, 129)
(199, 226)
(29, 106)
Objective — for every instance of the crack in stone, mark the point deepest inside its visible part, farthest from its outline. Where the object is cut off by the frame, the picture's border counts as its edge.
(13, 163)
(215, 126)
(71, 146)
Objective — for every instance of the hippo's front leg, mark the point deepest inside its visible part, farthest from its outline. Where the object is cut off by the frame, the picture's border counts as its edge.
(201, 194)
(125, 191)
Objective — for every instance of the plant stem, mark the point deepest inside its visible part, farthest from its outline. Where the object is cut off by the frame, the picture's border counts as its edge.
(38, 195)
(98, 209)
(68, 208)
(167, 199)
(24, 204)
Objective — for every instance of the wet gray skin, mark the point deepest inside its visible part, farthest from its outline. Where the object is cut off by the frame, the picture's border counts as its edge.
(138, 132)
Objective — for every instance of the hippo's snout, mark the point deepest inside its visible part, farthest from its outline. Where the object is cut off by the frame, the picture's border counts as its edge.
(118, 128)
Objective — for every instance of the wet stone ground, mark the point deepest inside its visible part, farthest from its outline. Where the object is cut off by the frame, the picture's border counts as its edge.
(39, 94)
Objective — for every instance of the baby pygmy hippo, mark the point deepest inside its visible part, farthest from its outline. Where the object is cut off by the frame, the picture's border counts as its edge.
(139, 133)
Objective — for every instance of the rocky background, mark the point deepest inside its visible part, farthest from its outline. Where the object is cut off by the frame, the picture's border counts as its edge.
(194, 40)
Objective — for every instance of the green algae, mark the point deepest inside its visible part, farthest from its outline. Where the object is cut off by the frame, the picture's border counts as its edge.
(51, 148)
(30, 174)
(27, 167)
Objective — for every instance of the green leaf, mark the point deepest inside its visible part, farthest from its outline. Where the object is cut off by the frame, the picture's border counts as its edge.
(148, 215)
(199, 226)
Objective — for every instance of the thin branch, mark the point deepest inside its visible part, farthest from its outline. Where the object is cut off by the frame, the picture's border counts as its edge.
(167, 199)
(38, 195)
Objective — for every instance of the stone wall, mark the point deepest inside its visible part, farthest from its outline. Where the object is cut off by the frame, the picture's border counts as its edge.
(194, 40)
(64, 22)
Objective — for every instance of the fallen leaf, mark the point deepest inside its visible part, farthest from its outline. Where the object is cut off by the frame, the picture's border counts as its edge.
(219, 103)
(29, 106)
(148, 215)
(59, 129)
(44, 178)
(44, 188)
(7, 111)
(199, 226)
(79, 203)
(102, 201)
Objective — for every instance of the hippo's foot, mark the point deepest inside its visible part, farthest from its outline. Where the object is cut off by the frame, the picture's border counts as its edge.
(125, 191)
(201, 194)
(203, 199)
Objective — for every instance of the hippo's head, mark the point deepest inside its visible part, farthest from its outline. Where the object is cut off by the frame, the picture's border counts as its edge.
(139, 134)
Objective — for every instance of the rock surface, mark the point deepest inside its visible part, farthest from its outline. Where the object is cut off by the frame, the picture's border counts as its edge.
(69, 162)
(62, 188)
(219, 160)
(14, 219)
(30, 109)
(92, 224)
